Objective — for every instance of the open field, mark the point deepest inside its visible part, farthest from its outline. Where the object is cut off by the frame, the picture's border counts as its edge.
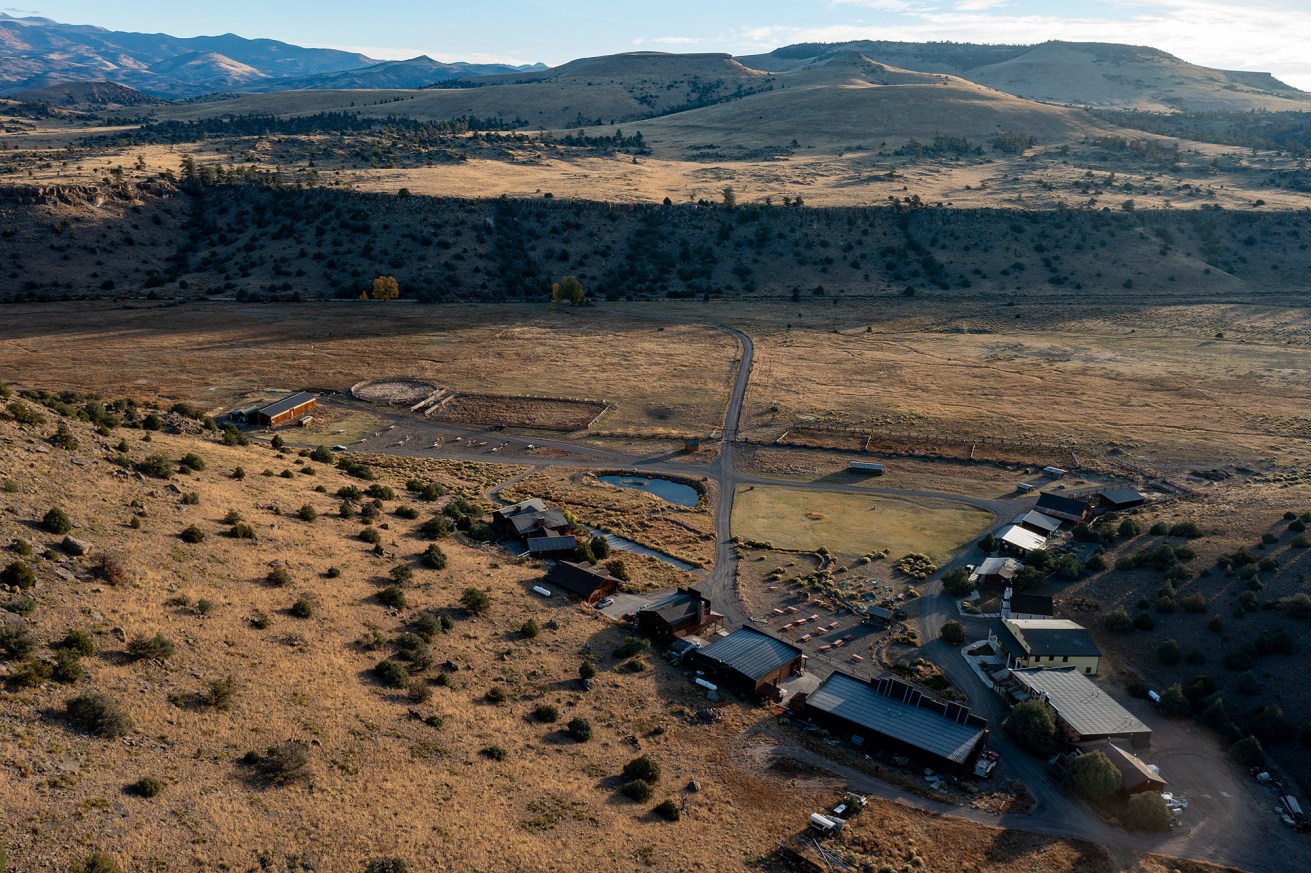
(1157, 389)
(543, 413)
(659, 376)
(854, 524)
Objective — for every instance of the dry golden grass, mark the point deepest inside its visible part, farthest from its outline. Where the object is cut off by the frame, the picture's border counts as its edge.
(658, 376)
(854, 524)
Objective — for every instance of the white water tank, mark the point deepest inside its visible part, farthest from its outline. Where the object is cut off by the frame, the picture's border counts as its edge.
(542, 591)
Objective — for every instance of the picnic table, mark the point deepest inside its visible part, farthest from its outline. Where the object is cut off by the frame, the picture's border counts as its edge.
(806, 638)
(857, 658)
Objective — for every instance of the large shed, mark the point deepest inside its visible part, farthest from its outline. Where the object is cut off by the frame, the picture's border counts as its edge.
(684, 613)
(285, 410)
(589, 583)
(1065, 508)
(889, 712)
(750, 661)
(1015, 540)
(1083, 711)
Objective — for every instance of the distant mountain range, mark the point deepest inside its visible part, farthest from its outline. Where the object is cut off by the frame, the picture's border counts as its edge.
(37, 52)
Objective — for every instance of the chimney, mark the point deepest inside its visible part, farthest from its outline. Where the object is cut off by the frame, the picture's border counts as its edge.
(700, 610)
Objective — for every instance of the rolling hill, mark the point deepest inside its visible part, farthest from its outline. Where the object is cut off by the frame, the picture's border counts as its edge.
(98, 95)
(1084, 74)
(417, 72)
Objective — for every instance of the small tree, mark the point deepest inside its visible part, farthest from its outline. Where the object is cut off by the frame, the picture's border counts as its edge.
(580, 729)
(1093, 777)
(1034, 728)
(141, 648)
(642, 768)
(953, 632)
(191, 534)
(568, 290)
(98, 713)
(729, 197)
(1118, 621)
(475, 601)
(1148, 812)
(19, 575)
(56, 521)
(957, 582)
(1248, 752)
(434, 557)
(386, 288)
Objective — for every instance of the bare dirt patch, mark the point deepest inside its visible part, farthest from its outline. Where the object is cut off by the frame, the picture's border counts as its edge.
(393, 392)
(539, 413)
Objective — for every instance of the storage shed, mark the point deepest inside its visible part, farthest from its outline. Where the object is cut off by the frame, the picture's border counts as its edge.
(1065, 508)
(891, 713)
(284, 411)
(750, 661)
(583, 580)
(683, 613)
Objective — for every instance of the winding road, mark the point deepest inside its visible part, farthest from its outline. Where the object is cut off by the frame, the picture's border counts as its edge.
(1231, 836)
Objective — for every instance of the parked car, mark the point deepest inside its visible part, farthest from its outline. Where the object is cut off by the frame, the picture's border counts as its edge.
(603, 603)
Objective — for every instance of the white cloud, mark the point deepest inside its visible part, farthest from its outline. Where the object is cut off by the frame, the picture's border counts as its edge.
(1263, 35)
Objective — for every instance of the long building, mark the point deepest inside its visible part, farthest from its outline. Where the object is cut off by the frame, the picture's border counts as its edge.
(890, 713)
(1084, 712)
(750, 662)
(1051, 643)
(286, 410)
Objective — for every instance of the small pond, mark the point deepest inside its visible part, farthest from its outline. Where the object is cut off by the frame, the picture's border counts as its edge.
(666, 489)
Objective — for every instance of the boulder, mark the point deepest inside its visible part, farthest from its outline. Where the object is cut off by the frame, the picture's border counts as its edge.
(74, 546)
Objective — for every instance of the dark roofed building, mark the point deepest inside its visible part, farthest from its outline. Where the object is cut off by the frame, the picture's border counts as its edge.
(1038, 523)
(588, 582)
(749, 661)
(1083, 711)
(1050, 643)
(1065, 508)
(504, 513)
(945, 736)
(1122, 498)
(998, 571)
(529, 519)
(1136, 775)
(1025, 605)
(287, 409)
(684, 613)
(547, 546)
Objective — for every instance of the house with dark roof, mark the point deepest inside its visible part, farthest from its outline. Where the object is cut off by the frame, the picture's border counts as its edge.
(552, 545)
(286, 410)
(684, 613)
(1136, 775)
(1083, 711)
(1121, 498)
(1035, 521)
(749, 661)
(1045, 643)
(1065, 508)
(529, 519)
(892, 714)
(584, 580)
(1026, 605)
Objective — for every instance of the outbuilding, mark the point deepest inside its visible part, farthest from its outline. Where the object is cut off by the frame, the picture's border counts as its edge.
(1136, 775)
(997, 571)
(1035, 521)
(552, 545)
(1025, 605)
(284, 411)
(684, 613)
(1083, 711)
(1050, 643)
(1121, 498)
(892, 714)
(750, 661)
(588, 582)
(1065, 508)
(1015, 540)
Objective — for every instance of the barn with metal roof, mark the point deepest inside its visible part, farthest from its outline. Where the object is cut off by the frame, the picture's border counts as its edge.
(749, 661)
(890, 713)
(1083, 710)
(285, 410)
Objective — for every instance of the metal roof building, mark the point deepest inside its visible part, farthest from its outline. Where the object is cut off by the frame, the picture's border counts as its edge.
(1014, 538)
(750, 660)
(947, 735)
(552, 544)
(1038, 523)
(1083, 710)
(1064, 508)
(1123, 498)
(589, 583)
(284, 410)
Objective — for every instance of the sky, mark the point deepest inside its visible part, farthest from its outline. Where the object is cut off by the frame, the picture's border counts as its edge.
(1264, 35)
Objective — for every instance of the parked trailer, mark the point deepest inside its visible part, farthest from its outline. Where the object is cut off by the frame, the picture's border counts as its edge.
(1053, 472)
(1024, 487)
(865, 467)
(826, 826)
(545, 592)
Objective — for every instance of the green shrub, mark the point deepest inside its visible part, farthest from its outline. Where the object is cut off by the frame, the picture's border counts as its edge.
(242, 531)
(434, 558)
(496, 753)
(1118, 621)
(546, 713)
(283, 763)
(496, 695)
(1093, 777)
(140, 648)
(1143, 621)
(953, 632)
(392, 596)
(1248, 752)
(99, 714)
(380, 492)
(529, 629)
(68, 667)
(156, 466)
(404, 511)
(475, 601)
(56, 521)
(632, 646)
(192, 461)
(638, 790)
(147, 786)
(332, 573)
(19, 575)
(418, 692)
(1169, 652)
(77, 641)
(307, 513)
(642, 768)
(303, 607)
(191, 534)
(391, 674)
(371, 536)
(278, 577)
(579, 729)
(957, 582)
(668, 810)
(586, 671)
(97, 862)
(387, 865)
(1186, 529)
(1159, 529)
(220, 692)
(435, 528)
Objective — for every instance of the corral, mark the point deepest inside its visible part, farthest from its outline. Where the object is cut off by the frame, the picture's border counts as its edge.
(540, 413)
(393, 392)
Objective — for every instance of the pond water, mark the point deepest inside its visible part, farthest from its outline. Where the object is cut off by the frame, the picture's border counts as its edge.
(666, 489)
(626, 545)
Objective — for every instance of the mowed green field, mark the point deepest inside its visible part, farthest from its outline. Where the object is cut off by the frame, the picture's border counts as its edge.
(854, 524)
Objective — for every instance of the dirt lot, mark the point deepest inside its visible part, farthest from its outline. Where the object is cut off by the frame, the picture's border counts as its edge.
(661, 377)
(539, 413)
(854, 524)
